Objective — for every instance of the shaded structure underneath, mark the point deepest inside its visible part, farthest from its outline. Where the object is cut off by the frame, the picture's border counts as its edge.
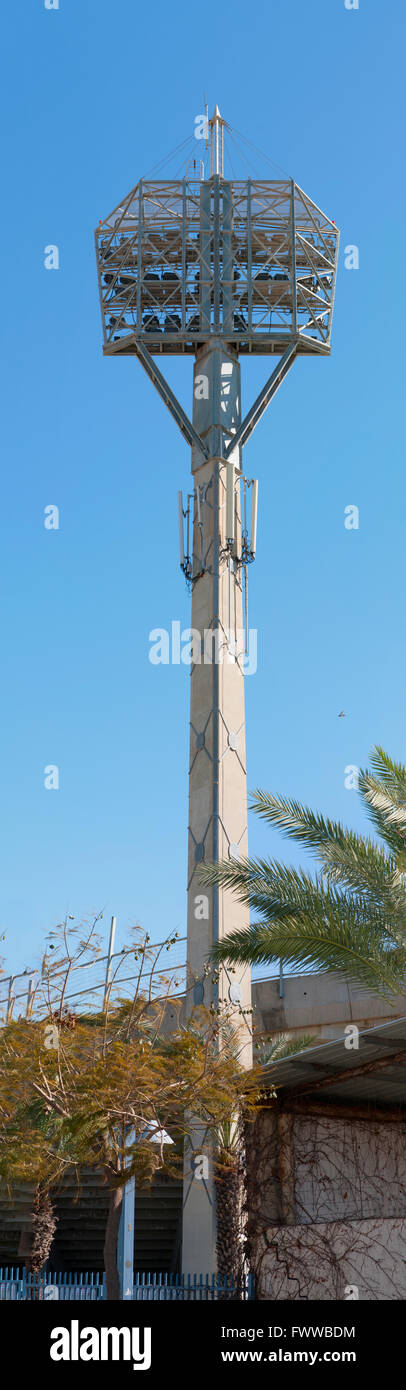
(327, 1172)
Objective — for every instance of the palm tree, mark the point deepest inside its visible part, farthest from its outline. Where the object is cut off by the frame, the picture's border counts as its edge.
(276, 1047)
(44, 1223)
(351, 915)
(229, 1185)
(230, 1175)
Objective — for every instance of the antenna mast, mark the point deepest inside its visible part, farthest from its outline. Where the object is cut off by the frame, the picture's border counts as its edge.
(217, 268)
(216, 125)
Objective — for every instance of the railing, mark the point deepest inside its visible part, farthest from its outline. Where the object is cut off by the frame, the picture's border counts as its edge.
(16, 1284)
(199, 1288)
(28, 995)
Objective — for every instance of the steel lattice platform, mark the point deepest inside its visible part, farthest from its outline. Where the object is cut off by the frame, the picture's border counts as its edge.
(251, 262)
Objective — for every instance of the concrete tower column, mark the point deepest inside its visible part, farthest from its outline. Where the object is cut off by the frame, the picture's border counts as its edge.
(217, 769)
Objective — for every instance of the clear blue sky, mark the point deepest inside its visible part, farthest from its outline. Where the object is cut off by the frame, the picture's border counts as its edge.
(93, 95)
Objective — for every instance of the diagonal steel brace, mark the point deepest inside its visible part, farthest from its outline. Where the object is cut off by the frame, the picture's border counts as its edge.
(169, 398)
(263, 400)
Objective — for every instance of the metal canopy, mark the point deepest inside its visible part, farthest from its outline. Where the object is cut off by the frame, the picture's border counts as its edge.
(252, 262)
(372, 1074)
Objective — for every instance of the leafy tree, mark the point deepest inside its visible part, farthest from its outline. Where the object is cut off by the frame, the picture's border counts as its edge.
(97, 1089)
(351, 915)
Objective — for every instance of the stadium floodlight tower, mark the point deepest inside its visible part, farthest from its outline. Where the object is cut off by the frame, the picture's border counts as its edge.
(216, 268)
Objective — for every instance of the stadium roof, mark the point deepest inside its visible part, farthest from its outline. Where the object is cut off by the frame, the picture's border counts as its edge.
(372, 1074)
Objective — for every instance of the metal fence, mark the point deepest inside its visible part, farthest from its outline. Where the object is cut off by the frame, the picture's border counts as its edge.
(197, 1288)
(25, 995)
(16, 1284)
(30, 994)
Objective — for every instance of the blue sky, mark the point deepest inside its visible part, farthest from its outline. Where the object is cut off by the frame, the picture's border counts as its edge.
(93, 95)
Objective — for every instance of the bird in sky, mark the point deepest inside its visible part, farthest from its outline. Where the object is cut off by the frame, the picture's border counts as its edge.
(341, 714)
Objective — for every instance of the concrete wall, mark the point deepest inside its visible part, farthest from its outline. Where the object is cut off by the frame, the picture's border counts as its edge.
(363, 1260)
(330, 1212)
(348, 1169)
(319, 1004)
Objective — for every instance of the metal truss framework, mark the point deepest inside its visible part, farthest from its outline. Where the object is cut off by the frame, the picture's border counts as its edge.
(247, 424)
(169, 399)
(252, 262)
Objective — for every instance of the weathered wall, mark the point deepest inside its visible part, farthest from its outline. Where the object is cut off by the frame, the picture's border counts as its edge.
(323, 1005)
(328, 1209)
(334, 1260)
(319, 1004)
(348, 1169)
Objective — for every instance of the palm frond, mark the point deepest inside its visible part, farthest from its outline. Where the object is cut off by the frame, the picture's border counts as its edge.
(278, 1046)
(391, 773)
(346, 857)
(295, 821)
(383, 793)
(350, 917)
(304, 945)
(280, 892)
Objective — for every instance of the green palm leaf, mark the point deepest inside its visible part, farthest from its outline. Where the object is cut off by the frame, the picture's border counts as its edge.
(350, 917)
